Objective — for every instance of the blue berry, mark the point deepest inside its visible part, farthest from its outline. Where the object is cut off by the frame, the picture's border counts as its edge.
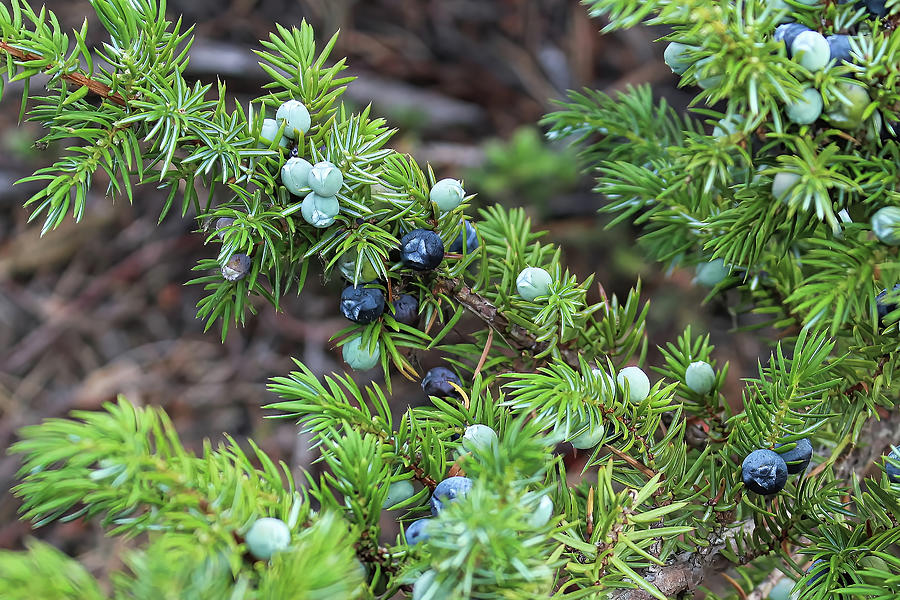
(811, 50)
(820, 571)
(788, 32)
(876, 8)
(893, 471)
(222, 224)
(448, 491)
(296, 118)
(447, 194)
(266, 537)
(417, 531)
(406, 310)
(884, 307)
(700, 377)
(325, 179)
(886, 225)
(237, 267)
(469, 235)
(840, 47)
(797, 459)
(362, 304)
(764, 472)
(358, 356)
(437, 383)
(421, 250)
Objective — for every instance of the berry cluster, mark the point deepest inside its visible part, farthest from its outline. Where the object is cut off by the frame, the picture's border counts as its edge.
(765, 471)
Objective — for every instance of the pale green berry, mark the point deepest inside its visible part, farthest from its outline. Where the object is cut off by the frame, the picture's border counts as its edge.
(295, 175)
(638, 383)
(782, 589)
(782, 184)
(319, 211)
(811, 50)
(806, 109)
(542, 513)
(728, 126)
(358, 356)
(296, 118)
(268, 132)
(676, 56)
(398, 491)
(700, 377)
(589, 438)
(886, 225)
(712, 273)
(423, 583)
(710, 76)
(847, 112)
(606, 383)
(325, 179)
(533, 282)
(266, 537)
(447, 194)
(348, 263)
(479, 437)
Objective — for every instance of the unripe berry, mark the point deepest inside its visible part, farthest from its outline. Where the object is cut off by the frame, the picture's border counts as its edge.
(325, 179)
(708, 74)
(358, 356)
(798, 457)
(421, 250)
(638, 383)
(533, 282)
(319, 211)
(418, 531)
(423, 583)
(437, 383)
(479, 437)
(469, 235)
(347, 265)
(542, 513)
(237, 267)
(886, 225)
(782, 184)
(712, 273)
(448, 491)
(362, 304)
(447, 194)
(847, 112)
(728, 126)
(295, 175)
(764, 472)
(398, 491)
(406, 310)
(700, 377)
(676, 56)
(269, 131)
(811, 50)
(592, 436)
(806, 109)
(296, 118)
(605, 382)
(266, 537)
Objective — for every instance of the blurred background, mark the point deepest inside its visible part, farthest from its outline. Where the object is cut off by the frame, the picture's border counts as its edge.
(99, 308)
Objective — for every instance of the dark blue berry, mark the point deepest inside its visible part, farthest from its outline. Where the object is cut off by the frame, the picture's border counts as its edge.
(362, 304)
(449, 490)
(840, 47)
(788, 32)
(764, 472)
(437, 383)
(884, 307)
(819, 571)
(797, 459)
(406, 310)
(421, 250)
(876, 8)
(471, 239)
(893, 471)
(417, 531)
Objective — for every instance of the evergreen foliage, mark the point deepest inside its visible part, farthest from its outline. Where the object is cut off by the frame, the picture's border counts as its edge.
(659, 508)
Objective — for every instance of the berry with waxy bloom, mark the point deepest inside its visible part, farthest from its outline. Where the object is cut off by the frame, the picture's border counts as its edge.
(798, 457)
(533, 282)
(448, 491)
(447, 194)
(811, 50)
(269, 131)
(266, 537)
(319, 211)
(421, 250)
(638, 383)
(398, 491)
(806, 109)
(469, 235)
(237, 267)
(418, 531)
(764, 472)
(295, 175)
(480, 437)
(437, 383)
(676, 57)
(700, 377)
(296, 118)
(362, 304)
(406, 310)
(359, 356)
(886, 225)
(325, 179)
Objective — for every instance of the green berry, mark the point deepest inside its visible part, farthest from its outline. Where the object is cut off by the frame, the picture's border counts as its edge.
(269, 131)
(359, 357)
(847, 110)
(811, 50)
(266, 537)
(605, 382)
(542, 513)
(319, 211)
(347, 265)
(398, 491)
(782, 184)
(296, 118)
(295, 175)
(806, 109)
(533, 282)
(728, 126)
(707, 76)
(886, 225)
(638, 383)
(479, 437)
(712, 273)
(592, 436)
(700, 377)
(447, 194)
(423, 584)
(325, 179)
(676, 56)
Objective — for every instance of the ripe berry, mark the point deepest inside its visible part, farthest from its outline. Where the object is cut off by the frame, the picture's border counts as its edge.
(266, 537)
(362, 304)
(398, 491)
(319, 211)
(811, 50)
(676, 56)
(269, 131)
(886, 225)
(819, 571)
(787, 33)
(638, 383)
(839, 45)
(296, 118)
(884, 307)
(325, 179)
(782, 184)
(700, 377)
(797, 458)
(876, 8)
(447, 194)
(406, 310)
(764, 472)
(847, 110)
(806, 109)
(359, 357)
(469, 235)
(533, 282)
(712, 273)
(592, 436)
(479, 436)
(418, 531)
(448, 491)
(421, 250)
(295, 175)
(222, 224)
(237, 267)
(892, 470)
(437, 383)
